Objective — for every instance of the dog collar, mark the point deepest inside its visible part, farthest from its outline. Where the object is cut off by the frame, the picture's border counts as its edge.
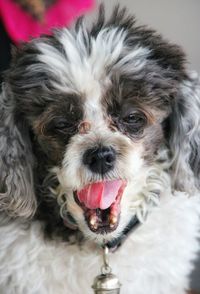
(116, 243)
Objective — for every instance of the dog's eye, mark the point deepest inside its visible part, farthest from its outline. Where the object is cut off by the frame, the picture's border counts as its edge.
(135, 118)
(134, 122)
(61, 124)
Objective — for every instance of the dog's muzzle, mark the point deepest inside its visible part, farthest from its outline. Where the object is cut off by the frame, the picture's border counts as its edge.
(100, 159)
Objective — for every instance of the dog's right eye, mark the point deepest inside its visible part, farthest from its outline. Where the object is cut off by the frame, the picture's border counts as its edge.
(62, 124)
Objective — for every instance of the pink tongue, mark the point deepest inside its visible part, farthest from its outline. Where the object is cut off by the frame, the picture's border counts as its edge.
(99, 195)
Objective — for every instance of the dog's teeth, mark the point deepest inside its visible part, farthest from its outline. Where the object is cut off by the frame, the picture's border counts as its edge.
(93, 221)
(113, 220)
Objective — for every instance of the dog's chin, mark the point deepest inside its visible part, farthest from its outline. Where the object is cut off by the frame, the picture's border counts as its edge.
(101, 205)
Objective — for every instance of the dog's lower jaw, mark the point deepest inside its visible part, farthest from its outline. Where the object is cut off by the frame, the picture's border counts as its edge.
(77, 214)
(103, 236)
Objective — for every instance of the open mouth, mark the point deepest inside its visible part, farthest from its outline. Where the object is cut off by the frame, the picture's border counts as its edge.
(101, 204)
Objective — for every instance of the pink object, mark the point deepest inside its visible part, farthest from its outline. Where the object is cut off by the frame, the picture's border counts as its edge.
(21, 26)
(100, 195)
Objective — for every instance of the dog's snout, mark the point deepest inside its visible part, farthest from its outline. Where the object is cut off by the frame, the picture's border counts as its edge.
(100, 160)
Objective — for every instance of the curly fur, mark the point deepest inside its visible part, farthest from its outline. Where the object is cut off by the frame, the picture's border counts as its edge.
(16, 186)
(95, 76)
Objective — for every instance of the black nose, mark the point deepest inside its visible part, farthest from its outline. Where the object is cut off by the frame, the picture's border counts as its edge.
(100, 160)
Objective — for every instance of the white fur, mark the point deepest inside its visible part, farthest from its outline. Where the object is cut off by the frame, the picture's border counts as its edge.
(155, 259)
(85, 73)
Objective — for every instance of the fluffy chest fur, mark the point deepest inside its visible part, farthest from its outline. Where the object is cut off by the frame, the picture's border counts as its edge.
(157, 258)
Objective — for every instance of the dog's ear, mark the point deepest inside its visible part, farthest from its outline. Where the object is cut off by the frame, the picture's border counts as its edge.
(184, 137)
(17, 196)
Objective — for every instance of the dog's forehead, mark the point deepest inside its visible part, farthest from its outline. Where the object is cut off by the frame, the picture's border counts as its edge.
(94, 67)
(116, 61)
(86, 64)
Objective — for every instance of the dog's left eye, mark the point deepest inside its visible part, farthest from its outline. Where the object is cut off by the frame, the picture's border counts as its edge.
(137, 119)
(133, 122)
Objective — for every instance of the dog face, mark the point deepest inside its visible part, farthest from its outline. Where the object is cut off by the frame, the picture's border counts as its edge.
(99, 105)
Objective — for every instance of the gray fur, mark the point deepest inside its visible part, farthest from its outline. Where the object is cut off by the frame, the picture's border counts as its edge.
(184, 138)
(16, 179)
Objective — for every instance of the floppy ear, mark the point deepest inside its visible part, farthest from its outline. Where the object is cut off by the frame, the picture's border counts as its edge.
(16, 179)
(184, 138)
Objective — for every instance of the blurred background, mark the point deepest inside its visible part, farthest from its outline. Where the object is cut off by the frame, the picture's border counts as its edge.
(177, 20)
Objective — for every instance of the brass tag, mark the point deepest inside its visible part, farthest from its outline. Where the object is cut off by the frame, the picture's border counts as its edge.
(106, 282)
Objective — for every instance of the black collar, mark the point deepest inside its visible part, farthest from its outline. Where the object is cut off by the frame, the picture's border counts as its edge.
(116, 243)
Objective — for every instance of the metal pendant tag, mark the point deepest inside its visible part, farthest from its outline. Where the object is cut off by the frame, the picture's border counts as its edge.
(106, 282)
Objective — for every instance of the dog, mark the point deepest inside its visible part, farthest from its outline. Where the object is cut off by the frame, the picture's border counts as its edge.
(99, 147)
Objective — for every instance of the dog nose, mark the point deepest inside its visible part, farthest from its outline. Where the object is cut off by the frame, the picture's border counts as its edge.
(100, 160)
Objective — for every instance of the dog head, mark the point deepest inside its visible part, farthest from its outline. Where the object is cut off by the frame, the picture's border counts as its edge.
(113, 112)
